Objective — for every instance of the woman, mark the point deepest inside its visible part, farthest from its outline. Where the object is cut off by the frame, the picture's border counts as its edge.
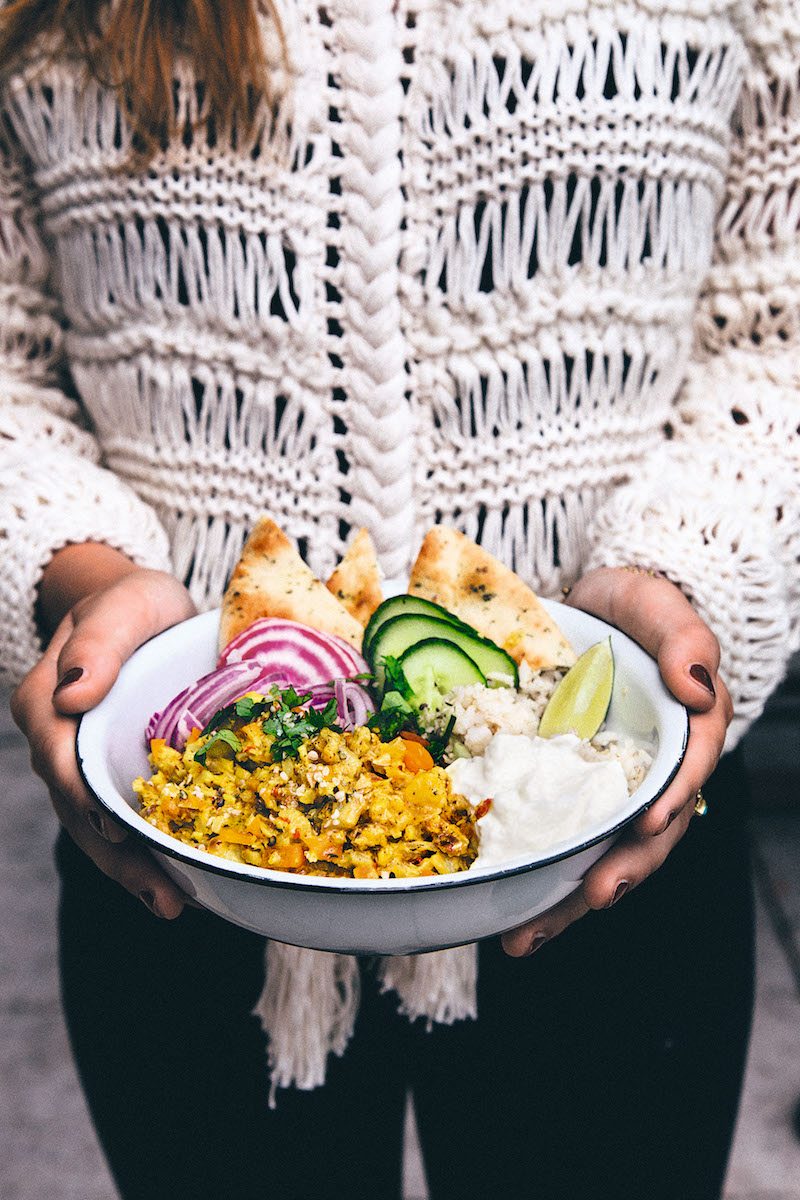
(531, 273)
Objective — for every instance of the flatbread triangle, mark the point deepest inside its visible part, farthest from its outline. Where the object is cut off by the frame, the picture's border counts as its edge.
(455, 572)
(356, 581)
(271, 580)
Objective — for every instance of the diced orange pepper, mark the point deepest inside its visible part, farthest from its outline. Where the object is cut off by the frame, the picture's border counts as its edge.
(194, 735)
(237, 837)
(157, 744)
(417, 758)
(365, 871)
(293, 857)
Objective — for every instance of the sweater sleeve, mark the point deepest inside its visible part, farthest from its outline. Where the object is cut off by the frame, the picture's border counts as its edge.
(52, 489)
(717, 509)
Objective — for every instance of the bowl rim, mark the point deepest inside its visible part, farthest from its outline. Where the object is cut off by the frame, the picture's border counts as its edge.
(323, 885)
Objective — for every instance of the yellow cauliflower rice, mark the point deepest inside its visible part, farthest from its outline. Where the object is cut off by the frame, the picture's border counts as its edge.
(347, 805)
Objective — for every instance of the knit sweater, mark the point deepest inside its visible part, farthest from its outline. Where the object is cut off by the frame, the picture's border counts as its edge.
(530, 270)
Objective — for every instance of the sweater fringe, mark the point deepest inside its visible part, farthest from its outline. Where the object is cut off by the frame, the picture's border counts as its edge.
(310, 998)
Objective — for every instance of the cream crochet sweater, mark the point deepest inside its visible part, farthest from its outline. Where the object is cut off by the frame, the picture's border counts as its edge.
(532, 270)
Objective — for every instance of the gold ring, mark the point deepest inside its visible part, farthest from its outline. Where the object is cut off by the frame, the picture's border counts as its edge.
(700, 804)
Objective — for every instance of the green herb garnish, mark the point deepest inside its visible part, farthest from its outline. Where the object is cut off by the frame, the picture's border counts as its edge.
(249, 709)
(394, 679)
(395, 714)
(246, 707)
(288, 721)
(226, 736)
(437, 742)
(291, 728)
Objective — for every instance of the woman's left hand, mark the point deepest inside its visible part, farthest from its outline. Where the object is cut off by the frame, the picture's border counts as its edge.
(658, 616)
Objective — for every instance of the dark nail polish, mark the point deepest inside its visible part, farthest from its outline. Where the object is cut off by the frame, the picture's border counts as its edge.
(148, 898)
(536, 944)
(97, 823)
(70, 676)
(701, 675)
(670, 818)
(621, 889)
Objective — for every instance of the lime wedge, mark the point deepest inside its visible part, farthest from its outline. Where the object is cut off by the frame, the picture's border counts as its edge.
(580, 702)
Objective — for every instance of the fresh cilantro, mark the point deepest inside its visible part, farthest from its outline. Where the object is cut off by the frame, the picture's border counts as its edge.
(246, 707)
(289, 720)
(290, 723)
(388, 723)
(394, 715)
(395, 679)
(249, 709)
(289, 697)
(227, 736)
(437, 742)
(219, 718)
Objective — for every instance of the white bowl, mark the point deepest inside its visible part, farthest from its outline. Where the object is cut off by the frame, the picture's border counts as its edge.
(372, 916)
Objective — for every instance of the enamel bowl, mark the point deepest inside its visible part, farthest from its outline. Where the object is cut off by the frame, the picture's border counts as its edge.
(380, 916)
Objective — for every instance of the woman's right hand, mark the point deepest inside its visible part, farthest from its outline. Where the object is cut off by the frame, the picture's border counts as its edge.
(90, 644)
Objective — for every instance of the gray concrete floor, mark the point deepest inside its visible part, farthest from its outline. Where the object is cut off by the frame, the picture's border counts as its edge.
(47, 1146)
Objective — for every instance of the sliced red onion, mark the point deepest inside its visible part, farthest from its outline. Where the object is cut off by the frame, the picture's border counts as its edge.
(270, 652)
(196, 704)
(353, 702)
(288, 646)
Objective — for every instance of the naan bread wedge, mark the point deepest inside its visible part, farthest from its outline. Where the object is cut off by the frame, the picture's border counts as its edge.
(357, 579)
(271, 580)
(453, 571)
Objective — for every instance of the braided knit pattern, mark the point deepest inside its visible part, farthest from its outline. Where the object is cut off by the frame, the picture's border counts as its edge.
(531, 270)
(378, 415)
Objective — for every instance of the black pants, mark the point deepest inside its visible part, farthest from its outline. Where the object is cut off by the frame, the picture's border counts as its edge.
(607, 1065)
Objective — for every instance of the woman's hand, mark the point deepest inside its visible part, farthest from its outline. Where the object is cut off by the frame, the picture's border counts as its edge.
(121, 606)
(657, 615)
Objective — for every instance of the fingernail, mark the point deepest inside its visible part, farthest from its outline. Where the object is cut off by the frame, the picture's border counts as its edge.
(70, 676)
(670, 818)
(701, 675)
(97, 823)
(149, 900)
(536, 944)
(621, 889)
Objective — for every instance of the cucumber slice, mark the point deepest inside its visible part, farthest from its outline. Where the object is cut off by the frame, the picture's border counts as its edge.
(434, 667)
(397, 606)
(400, 633)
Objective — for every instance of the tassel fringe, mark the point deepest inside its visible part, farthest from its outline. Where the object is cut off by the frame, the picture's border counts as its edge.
(307, 1010)
(310, 1000)
(441, 987)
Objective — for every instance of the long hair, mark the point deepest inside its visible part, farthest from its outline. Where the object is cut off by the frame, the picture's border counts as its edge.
(134, 50)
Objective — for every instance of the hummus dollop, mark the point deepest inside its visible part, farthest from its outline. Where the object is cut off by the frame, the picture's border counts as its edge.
(543, 791)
